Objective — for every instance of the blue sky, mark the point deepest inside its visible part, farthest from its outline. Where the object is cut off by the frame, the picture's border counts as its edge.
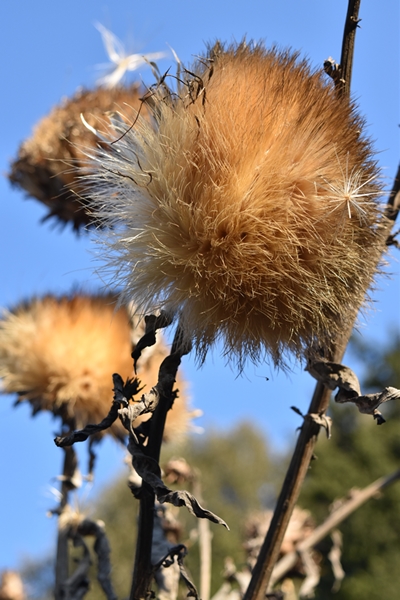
(49, 49)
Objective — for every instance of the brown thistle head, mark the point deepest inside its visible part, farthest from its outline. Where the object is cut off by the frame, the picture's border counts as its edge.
(250, 209)
(47, 165)
(60, 353)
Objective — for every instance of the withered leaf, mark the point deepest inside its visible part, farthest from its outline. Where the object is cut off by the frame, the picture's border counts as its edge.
(368, 403)
(180, 551)
(323, 421)
(335, 375)
(128, 413)
(149, 470)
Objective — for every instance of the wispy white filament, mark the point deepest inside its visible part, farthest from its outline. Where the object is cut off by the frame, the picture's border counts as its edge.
(122, 62)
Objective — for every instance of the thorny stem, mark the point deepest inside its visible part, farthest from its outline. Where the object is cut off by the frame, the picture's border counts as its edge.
(143, 569)
(62, 558)
(307, 439)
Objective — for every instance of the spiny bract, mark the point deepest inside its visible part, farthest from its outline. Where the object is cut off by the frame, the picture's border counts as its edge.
(249, 204)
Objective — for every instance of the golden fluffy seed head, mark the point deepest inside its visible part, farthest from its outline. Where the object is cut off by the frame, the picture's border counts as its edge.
(11, 586)
(48, 162)
(60, 354)
(250, 209)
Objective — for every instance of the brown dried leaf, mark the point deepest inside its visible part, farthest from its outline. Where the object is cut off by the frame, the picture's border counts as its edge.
(334, 556)
(95, 529)
(368, 403)
(322, 421)
(149, 470)
(313, 573)
(180, 551)
(335, 375)
(177, 470)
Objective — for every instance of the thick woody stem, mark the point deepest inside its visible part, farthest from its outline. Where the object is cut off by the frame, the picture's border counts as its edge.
(295, 475)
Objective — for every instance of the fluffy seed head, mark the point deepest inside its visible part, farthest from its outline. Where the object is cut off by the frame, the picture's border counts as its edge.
(60, 354)
(249, 205)
(47, 162)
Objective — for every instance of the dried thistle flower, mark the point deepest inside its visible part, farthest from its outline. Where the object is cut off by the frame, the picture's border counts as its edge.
(60, 354)
(11, 586)
(250, 208)
(47, 163)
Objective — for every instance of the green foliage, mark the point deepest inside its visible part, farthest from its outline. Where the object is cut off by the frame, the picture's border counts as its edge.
(234, 468)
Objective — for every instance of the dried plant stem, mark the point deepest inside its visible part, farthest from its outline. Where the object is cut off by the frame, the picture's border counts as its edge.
(355, 500)
(295, 475)
(143, 569)
(143, 573)
(393, 205)
(62, 556)
(205, 537)
(346, 58)
(205, 547)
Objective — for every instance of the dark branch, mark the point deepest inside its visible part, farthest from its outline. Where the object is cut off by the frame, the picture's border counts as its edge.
(143, 570)
(349, 36)
(341, 73)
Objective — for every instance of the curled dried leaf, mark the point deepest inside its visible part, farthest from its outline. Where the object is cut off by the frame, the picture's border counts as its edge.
(149, 470)
(179, 551)
(334, 556)
(152, 323)
(88, 527)
(127, 413)
(368, 403)
(322, 421)
(335, 375)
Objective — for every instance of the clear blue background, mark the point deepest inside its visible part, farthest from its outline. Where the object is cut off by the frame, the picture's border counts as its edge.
(48, 50)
